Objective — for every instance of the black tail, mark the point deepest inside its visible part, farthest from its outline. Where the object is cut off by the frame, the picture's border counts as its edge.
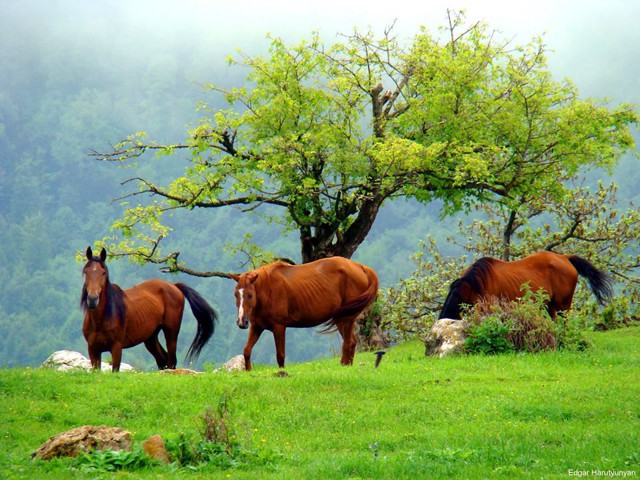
(600, 282)
(206, 317)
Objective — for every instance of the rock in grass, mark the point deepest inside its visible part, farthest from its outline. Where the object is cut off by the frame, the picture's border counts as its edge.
(82, 440)
(446, 337)
(155, 448)
(65, 360)
(235, 364)
(180, 371)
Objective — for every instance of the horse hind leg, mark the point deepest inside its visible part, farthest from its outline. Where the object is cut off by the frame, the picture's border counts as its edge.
(279, 339)
(349, 340)
(557, 305)
(171, 339)
(155, 348)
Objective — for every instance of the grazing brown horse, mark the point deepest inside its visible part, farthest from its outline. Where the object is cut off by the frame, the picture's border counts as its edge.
(115, 319)
(332, 292)
(554, 273)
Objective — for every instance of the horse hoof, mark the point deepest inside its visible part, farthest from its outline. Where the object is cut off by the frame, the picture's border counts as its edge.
(281, 373)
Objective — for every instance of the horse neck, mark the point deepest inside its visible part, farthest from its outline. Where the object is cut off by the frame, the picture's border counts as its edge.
(461, 292)
(263, 292)
(106, 312)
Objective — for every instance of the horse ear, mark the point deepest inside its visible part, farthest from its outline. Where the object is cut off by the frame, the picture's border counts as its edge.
(252, 277)
(233, 276)
(89, 253)
(103, 254)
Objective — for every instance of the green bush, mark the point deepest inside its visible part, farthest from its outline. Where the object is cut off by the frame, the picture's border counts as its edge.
(619, 313)
(498, 326)
(489, 337)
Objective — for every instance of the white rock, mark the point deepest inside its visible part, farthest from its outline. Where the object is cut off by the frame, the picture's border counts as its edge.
(235, 364)
(65, 360)
(446, 337)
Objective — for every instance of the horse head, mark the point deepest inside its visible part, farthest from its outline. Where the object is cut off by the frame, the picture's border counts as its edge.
(96, 278)
(246, 297)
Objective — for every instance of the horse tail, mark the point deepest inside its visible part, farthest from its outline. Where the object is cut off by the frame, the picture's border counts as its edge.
(358, 304)
(206, 317)
(599, 281)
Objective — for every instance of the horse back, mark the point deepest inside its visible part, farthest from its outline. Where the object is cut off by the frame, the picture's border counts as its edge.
(549, 271)
(313, 293)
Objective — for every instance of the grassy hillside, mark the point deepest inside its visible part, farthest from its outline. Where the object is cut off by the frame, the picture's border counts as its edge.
(511, 416)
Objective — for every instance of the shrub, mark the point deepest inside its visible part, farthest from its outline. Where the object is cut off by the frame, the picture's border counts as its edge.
(498, 326)
(370, 330)
(618, 314)
(489, 337)
(568, 331)
(216, 445)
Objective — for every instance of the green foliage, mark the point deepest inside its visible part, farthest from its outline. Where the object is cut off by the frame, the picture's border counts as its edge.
(524, 325)
(113, 460)
(371, 331)
(569, 332)
(490, 337)
(195, 454)
(324, 135)
(622, 312)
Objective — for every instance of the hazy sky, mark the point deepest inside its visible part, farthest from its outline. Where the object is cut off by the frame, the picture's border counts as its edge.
(594, 42)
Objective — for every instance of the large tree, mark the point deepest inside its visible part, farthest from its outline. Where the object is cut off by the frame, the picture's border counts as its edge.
(326, 134)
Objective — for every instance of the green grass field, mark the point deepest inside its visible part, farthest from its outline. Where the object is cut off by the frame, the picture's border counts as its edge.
(550, 415)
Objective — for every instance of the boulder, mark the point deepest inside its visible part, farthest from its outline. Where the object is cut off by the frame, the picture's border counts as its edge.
(65, 360)
(155, 448)
(446, 337)
(84, 439)
(236, 364)
(180, 371)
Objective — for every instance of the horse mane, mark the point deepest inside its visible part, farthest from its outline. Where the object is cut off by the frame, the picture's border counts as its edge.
(476, 277)
(115, 295)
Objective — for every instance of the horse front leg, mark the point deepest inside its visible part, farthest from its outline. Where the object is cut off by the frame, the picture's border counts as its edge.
(254, 335)
(279, 338)
(116, 357)
(95, 357)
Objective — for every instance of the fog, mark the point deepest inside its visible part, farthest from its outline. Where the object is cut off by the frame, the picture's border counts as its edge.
(595, 43)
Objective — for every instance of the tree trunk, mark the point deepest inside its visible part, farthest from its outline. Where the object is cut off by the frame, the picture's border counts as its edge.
(331, 244)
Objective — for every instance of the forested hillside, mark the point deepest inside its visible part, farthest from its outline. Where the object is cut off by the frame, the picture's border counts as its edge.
(69, 86)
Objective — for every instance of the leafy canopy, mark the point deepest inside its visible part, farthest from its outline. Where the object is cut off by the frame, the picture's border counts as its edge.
(325, 134)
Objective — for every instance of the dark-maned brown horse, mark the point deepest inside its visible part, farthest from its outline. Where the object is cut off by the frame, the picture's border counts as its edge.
(115, 319)
(331, 292)
(554, 273)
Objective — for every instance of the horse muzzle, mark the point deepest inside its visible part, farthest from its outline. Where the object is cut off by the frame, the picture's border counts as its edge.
(92, 301)
(243, 323)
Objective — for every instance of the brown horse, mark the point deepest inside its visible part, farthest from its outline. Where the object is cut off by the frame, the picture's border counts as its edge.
(115, 319)
(554, 273)
(332, 292)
